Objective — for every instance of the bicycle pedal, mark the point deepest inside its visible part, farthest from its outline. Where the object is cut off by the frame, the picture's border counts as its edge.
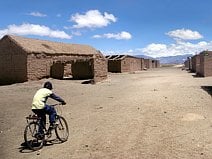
(39, 136)
(49, 135)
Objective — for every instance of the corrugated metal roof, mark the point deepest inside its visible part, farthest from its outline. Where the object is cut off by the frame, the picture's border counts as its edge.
(120, 57)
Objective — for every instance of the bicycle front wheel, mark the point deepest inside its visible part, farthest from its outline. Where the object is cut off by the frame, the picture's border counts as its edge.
(61, 130)
(32, 137)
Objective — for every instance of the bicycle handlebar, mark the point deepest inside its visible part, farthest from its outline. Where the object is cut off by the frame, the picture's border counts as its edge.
(53, 105)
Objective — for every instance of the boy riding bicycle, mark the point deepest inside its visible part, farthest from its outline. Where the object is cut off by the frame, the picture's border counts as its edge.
(40, 107)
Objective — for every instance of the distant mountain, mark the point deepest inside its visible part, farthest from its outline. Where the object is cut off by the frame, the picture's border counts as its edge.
(144, 56)
(179, 59)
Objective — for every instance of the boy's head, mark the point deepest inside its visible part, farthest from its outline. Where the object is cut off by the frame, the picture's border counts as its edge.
(48, 85)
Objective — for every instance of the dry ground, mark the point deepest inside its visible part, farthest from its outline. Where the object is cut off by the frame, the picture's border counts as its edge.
(162, 113)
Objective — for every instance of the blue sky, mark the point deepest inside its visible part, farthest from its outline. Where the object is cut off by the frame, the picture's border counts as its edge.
(135, 27)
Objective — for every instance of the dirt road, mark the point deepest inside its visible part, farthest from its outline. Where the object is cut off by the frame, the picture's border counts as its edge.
(163, 113)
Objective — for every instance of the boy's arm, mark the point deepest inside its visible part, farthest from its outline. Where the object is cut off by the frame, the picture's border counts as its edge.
(57, 98)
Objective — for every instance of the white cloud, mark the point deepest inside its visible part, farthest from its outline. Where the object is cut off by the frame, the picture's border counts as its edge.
(119, 36)
(159, 50)
(37, 14)
(155, 47)
(76, 33)
(184, 34)
(180, 48)
(92, 19)
(33, 29)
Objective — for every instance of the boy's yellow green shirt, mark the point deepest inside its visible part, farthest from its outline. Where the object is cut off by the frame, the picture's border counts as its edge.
(39, 99)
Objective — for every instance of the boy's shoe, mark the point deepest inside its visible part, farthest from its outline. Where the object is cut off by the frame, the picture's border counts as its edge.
(51, 127)
(39, 136)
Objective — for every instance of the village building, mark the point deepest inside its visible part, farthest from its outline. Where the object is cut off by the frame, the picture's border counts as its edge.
(188, 63)
(205, 63)
(23, 59)
(155, 63)
(147, 63)
(142, 64)
(195, 62)
(124, 63)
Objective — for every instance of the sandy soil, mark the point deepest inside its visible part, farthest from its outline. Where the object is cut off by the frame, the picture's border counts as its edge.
(163, 113)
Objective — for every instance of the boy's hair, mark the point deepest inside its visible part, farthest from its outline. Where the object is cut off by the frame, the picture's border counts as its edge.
(48, 85)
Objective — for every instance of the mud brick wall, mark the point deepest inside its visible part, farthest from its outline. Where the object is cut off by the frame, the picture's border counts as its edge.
(100, 68)
(142, 64)
(201, 73)
(195, 62)
(190, 64)
(148, 63)
(153, 63)
(130, 64)
(39, 65)
(187, 63)
(206, 63)
(157, 64)
(12, 63)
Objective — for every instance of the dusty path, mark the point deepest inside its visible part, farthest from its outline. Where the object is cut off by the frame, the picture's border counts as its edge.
(162, 113)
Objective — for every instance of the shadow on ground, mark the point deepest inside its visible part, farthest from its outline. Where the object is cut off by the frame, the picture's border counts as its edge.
(25, 149)
(208, 89)
(197, 76)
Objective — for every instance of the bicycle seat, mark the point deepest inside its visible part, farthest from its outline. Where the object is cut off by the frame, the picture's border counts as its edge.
(32, 117)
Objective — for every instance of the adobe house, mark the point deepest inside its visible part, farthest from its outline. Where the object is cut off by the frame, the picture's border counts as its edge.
(188, 63)
(195, 62)
(124, 63)
(148, 63)
(205, 63)
(23, 59)
(157, 63)
(142, 64)
(153, 63)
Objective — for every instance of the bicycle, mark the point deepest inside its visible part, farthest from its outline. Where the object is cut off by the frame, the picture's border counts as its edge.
(35, 140)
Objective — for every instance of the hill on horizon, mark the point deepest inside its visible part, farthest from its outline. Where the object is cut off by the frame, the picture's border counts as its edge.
(178, 59)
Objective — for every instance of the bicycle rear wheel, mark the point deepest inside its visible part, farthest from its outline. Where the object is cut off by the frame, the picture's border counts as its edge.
(61, 130)
(32, 137)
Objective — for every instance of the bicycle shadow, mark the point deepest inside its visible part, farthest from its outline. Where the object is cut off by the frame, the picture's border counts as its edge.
(49, 142)
(24, 149)
(208, 89)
